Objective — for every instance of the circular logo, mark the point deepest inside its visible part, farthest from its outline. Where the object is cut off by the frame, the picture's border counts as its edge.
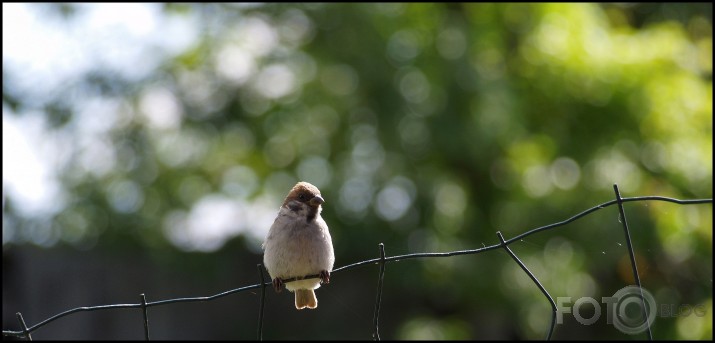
(629, 316)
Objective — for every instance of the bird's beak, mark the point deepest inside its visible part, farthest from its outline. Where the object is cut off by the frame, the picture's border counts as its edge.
(317, 200)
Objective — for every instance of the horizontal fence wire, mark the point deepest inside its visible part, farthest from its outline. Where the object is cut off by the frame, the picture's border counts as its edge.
(143, 305)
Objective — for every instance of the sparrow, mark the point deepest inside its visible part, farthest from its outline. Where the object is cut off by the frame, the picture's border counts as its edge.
(299, 244)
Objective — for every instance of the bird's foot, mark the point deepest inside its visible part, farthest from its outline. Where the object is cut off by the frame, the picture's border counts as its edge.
(324, 276)
(278, 284)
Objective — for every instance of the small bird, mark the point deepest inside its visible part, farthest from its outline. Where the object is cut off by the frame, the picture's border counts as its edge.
(299, 244)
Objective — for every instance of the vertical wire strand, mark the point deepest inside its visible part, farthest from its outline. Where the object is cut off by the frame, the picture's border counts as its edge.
(536, 281)
(263, 302)
(24, 326)
(142, 299)
(376, 333)
(632, 255)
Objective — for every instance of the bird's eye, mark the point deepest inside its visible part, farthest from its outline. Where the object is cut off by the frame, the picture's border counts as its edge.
(301, 196)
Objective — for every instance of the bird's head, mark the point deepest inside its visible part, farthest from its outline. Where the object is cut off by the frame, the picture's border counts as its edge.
(304, 198)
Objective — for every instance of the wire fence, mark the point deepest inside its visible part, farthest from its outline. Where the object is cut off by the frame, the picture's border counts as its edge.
(143, 305)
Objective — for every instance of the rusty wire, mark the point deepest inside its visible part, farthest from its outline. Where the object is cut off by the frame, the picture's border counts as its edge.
(143, 305)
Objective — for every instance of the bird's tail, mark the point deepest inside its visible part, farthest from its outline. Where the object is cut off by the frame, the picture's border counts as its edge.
(305, 298)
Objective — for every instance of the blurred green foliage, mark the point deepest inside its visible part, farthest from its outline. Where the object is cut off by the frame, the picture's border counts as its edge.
(427, 127)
